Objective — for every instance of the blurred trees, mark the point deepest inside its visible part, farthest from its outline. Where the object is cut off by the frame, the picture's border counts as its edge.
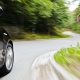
(43, 14)
(75, 24)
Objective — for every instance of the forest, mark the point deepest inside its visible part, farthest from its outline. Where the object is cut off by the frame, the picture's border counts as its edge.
(37, 16)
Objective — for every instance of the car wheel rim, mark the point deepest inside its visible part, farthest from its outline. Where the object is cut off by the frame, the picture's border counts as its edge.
(9, 58)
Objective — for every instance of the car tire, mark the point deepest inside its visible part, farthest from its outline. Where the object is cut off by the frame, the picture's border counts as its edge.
(9, 60)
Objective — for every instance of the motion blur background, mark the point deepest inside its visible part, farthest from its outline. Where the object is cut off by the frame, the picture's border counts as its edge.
(31, 19)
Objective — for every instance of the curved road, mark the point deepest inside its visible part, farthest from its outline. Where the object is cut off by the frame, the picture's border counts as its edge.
(27, 51)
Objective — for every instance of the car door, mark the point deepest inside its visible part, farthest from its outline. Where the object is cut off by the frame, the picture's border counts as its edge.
(4, 37)
(3, 44)
(1, 39)
(1, 47)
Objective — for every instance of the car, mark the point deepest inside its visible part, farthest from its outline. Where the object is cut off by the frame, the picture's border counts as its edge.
(6, 51)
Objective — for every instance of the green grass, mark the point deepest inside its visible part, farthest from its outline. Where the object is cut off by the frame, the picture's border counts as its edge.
(69, 58)
(30, 36)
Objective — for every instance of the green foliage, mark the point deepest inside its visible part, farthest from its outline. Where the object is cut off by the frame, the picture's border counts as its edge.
(45, 13)
(63, 55)
(43, 7)
(75, 25)
(69, 58)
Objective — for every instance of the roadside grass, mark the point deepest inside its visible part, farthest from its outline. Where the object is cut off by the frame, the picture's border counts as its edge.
(30, 36)
(69, 58)
(17, 33)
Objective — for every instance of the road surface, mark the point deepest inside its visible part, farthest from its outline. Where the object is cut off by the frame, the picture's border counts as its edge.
(27, 51)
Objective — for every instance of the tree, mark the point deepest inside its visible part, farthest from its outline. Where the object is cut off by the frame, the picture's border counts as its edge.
(45, 13)
(76, 25)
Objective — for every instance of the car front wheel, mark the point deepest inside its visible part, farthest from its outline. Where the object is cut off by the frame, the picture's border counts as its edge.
(9, 60)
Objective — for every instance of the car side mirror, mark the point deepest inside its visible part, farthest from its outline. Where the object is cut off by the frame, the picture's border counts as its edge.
(1, 11)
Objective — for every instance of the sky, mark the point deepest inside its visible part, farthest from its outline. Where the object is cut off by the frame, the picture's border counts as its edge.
(73, 5)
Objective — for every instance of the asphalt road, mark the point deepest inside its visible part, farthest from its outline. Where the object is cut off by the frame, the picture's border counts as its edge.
(27, 51)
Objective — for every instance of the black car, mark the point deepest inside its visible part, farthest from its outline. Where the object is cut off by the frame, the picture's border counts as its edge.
(6, 51)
